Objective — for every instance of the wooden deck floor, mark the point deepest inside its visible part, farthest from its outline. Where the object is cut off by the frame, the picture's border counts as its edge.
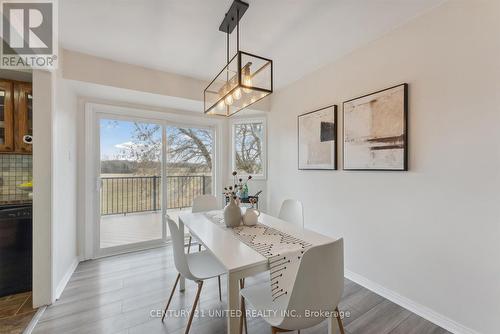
(117, 295)
(119, 230)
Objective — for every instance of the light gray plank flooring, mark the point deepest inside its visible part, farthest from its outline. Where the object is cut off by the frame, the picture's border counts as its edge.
(116, 295)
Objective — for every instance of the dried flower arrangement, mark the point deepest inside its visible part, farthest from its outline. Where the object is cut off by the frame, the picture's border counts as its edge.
(253, 202)
(235, 191)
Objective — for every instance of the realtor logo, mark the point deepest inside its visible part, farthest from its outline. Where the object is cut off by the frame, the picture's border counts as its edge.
(29, 38)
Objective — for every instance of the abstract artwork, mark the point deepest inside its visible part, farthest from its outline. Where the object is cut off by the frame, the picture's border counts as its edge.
(317, 132)
(375, 131)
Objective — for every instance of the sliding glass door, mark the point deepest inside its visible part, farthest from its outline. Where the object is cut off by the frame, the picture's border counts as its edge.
(147, 169)
(131, 191)
(189, 166)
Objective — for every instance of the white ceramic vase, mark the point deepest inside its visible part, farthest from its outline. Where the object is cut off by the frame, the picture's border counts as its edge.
(251, 217)
(232, 214)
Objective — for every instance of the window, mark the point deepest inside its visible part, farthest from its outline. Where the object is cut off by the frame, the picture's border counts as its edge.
(248, 147)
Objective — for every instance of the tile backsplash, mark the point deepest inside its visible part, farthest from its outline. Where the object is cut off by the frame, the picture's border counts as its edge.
(14, 170)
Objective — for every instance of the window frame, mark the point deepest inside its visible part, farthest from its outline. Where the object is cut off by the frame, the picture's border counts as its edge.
(239, 121)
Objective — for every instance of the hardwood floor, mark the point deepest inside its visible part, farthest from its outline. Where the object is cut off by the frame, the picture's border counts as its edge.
(16, 312)
(118, 295)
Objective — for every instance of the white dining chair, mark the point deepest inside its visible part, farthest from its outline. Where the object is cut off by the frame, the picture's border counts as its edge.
(292, 211)
(197, 267)
(202, 203)
(318, 286)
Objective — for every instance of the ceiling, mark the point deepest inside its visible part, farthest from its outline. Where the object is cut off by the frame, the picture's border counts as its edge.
(181, 36)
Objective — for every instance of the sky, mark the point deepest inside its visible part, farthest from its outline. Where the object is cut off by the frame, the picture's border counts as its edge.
(114, 135)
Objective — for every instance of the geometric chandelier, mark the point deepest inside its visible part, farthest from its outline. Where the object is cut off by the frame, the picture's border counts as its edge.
(245, 79)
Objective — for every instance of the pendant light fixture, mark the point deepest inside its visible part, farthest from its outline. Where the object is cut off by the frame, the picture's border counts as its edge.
(246, 78)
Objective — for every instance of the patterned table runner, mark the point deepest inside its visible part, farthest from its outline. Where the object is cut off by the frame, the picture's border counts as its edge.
(283, 252)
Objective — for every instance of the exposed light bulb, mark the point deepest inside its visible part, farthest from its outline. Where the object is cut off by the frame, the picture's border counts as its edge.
(237, 94)
(247, 81)
(228, 100)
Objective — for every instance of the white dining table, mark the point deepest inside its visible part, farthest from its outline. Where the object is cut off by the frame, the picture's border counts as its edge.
(240, 260)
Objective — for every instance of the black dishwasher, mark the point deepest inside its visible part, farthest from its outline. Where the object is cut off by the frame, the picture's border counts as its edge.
(16, 244)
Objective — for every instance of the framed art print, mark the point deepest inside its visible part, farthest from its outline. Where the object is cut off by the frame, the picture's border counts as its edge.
(317, 139)
(375, 131)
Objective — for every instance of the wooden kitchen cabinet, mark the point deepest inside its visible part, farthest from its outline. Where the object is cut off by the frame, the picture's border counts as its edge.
(6, 116)
(23, 116)
(16, 116)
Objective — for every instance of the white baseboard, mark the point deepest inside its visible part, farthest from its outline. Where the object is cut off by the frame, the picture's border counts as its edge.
(65, 279)
(421, 310)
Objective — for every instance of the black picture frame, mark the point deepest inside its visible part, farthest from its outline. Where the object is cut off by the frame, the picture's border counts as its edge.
(405, 131)
(335, 129)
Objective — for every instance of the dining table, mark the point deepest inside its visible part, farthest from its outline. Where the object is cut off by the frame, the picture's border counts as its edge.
(239, 259)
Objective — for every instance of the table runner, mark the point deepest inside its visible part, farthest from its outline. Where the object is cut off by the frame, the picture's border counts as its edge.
(283, 252)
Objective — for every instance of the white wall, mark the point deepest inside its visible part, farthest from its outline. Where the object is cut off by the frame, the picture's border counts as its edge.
(55, 252)
(43, 83)
(65, 185)
(431, 235)
(54, 195)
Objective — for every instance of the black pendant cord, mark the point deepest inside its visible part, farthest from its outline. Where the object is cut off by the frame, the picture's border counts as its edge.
(238, 46)
(227, 48)
(227, 58)
(238, 31)
(227, 65)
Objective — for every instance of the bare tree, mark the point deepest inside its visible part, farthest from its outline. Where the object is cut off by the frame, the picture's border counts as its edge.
(248, 147)
(144, 149)
(189, 146)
